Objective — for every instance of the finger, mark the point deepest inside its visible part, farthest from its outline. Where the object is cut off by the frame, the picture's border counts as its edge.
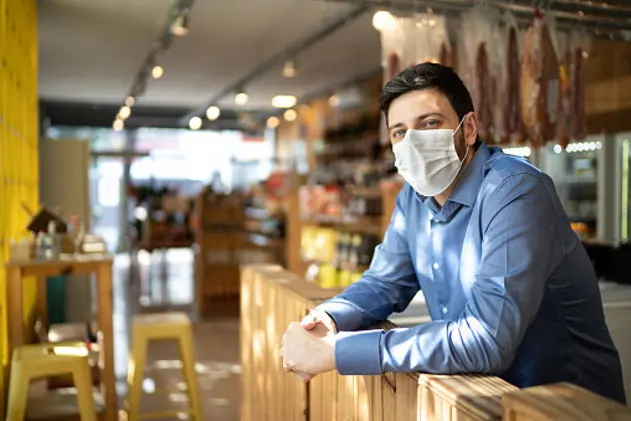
(305, 377)
(309, 321)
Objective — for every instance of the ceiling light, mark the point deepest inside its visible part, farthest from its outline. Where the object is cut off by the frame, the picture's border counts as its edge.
(241, 98)
(334, 101)
(273, 122)
(118, 125)
(213, 112)
(179, 27)
(124, 112)
(289, 70)
(157, 72)
(130, 101)
(383, 20)
(195, 123)
(284, 101)
(290, 114)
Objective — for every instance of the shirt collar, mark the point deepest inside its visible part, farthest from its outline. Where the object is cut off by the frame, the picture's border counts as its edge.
(466, 189)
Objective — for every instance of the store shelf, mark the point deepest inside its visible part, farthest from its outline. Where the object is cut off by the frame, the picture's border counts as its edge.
(370, 225)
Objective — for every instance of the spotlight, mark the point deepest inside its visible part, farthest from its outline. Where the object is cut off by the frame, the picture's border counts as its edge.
(289, 70)
(179, 27)
(383, 20)
(195, 123)
(273, 122)
(124, 112)
(213, 112)
(157, 72)
(290, 114)
(241, 98)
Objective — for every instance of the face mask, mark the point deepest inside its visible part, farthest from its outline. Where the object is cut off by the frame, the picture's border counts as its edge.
(427, 159)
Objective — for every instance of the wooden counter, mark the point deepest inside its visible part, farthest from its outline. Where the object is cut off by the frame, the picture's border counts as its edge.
(271, 298)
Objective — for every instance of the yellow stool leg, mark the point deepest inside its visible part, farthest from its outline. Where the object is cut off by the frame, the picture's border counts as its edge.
(85, 398)
(135, 375)
(18, 394)
(187, 353)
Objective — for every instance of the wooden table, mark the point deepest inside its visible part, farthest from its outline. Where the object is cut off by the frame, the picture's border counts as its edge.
(101, 265)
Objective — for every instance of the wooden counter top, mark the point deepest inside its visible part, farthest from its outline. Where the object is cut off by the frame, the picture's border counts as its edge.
(272, 298)
(562, 402)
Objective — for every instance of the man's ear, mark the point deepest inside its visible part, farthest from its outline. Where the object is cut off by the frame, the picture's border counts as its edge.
(470, 124)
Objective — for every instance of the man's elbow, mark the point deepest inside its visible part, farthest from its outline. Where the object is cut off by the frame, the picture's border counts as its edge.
(497, 357)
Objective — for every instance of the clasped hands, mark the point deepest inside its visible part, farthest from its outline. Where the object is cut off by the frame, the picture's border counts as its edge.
(308, 347)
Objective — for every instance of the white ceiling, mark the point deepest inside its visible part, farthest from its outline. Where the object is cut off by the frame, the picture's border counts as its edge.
(91, 50)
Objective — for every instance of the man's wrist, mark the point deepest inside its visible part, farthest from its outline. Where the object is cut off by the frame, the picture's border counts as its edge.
(358, 353)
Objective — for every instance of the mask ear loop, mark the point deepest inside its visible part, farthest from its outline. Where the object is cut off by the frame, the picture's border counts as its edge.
(454, 135)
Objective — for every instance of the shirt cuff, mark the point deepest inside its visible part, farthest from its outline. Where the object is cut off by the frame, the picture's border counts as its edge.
(346, 316)
(359, 353)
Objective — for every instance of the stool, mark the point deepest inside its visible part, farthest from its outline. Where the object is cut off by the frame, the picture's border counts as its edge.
(43, 360)
(163, 326)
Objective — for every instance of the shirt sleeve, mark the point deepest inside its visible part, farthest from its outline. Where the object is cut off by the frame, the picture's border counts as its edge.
(387, 286)
(519, 240)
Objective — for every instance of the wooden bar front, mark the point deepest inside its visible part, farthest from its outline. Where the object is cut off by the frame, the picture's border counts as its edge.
(271, 298)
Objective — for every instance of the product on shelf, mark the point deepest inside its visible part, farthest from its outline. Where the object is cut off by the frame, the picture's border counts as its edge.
(341, 257)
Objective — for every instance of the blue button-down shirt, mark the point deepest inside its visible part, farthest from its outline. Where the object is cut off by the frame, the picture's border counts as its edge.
(509, 286)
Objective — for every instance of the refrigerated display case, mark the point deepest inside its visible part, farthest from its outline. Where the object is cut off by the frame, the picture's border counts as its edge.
(575, 172)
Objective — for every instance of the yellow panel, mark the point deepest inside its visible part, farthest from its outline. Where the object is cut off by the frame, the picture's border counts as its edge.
(19, 131)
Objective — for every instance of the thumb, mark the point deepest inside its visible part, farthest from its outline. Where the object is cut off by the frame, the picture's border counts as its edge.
(309, 322)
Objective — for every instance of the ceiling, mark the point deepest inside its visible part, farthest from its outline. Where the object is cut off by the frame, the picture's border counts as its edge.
(91, 50)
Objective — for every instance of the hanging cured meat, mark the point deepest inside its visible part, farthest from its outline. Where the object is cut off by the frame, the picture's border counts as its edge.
(511, 110)
(444, 55)
(540, 85)
(578, 129)
(393, 67)
(484, 86)
(563, 126)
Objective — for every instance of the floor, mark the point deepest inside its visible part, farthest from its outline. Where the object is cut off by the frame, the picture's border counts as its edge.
(154, 286)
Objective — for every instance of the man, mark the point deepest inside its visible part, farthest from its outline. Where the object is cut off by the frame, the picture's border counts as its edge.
(509, 286)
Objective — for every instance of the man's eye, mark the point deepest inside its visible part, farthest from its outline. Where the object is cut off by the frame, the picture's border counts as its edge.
(398, 134)
(431, 124)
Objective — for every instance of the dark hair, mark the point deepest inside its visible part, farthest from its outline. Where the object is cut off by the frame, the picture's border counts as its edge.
(426, 76)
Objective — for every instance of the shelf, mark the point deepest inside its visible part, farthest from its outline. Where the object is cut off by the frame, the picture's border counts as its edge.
(263, 240)
(344, 266)
(260, 213)
(370, 225)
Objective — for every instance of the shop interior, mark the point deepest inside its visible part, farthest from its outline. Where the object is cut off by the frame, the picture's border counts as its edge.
(181, 179)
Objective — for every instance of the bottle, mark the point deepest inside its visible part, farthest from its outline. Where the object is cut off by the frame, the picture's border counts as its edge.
(53, 241)
(40, 246)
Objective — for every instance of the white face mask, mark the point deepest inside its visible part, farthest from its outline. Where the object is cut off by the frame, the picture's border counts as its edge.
(427, 159)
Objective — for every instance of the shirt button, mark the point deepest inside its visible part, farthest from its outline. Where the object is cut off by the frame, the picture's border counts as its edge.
(435, 266)
(445, 310)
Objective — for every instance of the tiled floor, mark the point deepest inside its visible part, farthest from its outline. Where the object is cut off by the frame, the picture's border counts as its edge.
(148, 289)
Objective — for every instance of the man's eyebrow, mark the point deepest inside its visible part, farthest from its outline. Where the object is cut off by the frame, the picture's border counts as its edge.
(420, 117)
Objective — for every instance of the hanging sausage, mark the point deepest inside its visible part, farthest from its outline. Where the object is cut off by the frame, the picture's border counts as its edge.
(484, 87)
(540, 83)
(512, 126)
(577, 97)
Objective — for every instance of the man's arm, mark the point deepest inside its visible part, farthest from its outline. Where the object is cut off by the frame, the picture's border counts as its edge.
(519, 241)
(389, 285)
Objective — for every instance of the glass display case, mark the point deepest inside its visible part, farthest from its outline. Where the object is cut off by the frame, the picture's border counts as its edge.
(575, 172)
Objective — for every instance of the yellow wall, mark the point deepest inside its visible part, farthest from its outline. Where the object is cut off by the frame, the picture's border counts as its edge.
(19, 127)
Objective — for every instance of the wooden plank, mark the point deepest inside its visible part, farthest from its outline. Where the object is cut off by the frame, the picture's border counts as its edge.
(389, 396)
(468, 396)
(364, 397)
(562, 402)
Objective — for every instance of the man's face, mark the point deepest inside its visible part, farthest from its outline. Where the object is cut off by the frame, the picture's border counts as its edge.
(428, 109)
